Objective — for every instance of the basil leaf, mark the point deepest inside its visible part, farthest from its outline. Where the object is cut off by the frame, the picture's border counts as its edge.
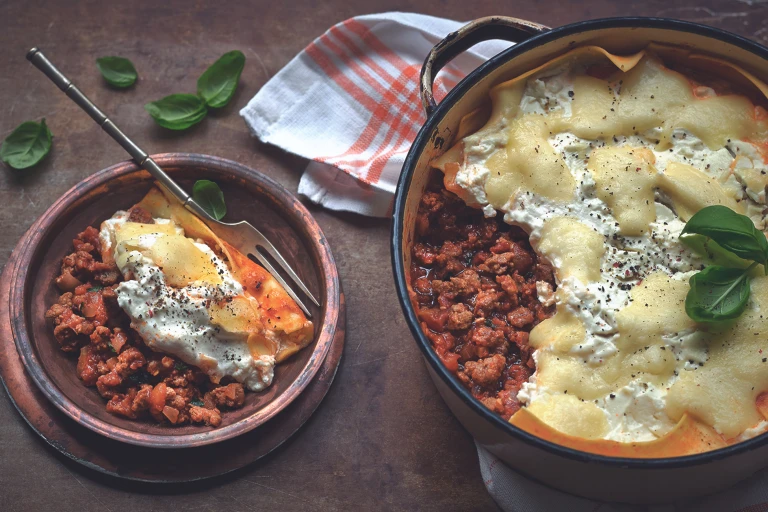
(734, 232)
(197, 402)
(713, 252)
(217, 85)
(26, 145)
(718, 293)
(117, 71)
(208, 195)
(95, 288)
(177, 111)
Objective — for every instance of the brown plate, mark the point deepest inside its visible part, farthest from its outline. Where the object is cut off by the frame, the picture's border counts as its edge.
(146, 464)
(250, 196)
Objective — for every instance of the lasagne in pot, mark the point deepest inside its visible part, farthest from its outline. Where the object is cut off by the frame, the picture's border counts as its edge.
(170, 322)
(558, 298)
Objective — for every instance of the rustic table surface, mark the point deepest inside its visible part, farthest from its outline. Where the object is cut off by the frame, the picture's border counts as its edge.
(382, 439)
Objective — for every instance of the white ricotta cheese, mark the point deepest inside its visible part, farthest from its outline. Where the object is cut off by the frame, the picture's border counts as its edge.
(176, 321)
(472, 179)
(636, 411)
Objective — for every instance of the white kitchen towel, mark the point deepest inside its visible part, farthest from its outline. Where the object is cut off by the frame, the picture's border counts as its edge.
(350, 103)
(515, 493)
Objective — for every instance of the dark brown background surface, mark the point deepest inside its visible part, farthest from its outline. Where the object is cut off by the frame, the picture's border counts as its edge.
(382, 439)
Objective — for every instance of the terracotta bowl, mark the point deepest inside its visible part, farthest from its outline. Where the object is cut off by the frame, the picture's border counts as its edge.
(250, 196)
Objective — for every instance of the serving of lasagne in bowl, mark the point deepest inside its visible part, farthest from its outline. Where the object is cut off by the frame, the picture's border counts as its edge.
(138, 322)
(169, 321)
(545, 254)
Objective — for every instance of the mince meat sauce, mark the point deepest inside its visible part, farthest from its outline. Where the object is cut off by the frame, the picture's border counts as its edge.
(474, 289)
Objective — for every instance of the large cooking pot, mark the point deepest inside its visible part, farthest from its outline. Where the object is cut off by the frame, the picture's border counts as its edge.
(580, 473)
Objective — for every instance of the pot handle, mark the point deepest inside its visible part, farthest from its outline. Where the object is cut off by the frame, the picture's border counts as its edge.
(482, 29)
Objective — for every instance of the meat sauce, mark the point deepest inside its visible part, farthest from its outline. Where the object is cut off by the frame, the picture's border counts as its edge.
(474, 290)
(136, 381)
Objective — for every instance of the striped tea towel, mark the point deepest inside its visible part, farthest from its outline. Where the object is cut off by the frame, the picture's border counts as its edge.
(350, 103)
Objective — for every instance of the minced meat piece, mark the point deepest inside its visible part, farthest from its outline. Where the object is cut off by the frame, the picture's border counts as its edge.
(509, 285)
(109, 384)
(129, 361)
(231, 395)
(460, 317)
(88, 365)
(484, 336)
(486, 302)
(139, 214)
(141, 401)
(498, 263)
(485, 372)
(466, 283)
(520, 317)
(122, 404)
(90, 236)
(211, 417)
(423, 254)
(71, 330)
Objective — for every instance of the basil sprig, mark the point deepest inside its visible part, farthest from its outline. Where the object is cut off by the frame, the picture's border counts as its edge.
(733, 232)
(219, 82)
(215, 89)
(721, 293)
(177, 111)
(117, 71)
(27, 145)
(208, 195)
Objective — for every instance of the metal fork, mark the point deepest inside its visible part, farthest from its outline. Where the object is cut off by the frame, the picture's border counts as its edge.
(242, 235)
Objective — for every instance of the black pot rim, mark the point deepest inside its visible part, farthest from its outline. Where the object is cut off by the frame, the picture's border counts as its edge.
(400, 273)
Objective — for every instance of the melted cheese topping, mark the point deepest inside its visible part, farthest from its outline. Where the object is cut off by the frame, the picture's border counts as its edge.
(603, 174)
(183, 300)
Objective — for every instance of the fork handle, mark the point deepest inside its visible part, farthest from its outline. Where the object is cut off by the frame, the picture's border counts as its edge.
(41, 62)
